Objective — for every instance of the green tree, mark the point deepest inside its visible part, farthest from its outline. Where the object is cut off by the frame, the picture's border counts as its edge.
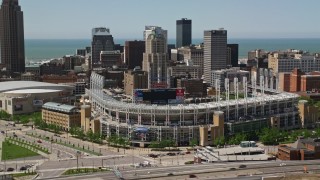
(4, 115)
(220, 141)
(80, 133)
(154, 144)
(193, 142)
(237, 138)
(97, 137)
(271, 136)
(90, 135)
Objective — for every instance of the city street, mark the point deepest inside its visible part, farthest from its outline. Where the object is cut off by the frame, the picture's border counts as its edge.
(208, 171)
(63, 158)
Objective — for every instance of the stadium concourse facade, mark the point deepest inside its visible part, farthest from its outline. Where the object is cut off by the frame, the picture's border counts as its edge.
(143, 123)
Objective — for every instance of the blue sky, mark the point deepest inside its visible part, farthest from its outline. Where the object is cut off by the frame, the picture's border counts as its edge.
(61, 19)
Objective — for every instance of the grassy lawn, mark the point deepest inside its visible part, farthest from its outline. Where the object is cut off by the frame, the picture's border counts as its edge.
(24, 174)
(82, 171)
(12, 151)
(33, 146)
(69, 145)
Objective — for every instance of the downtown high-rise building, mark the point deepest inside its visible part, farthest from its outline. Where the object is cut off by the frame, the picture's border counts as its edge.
(215, 52)
(233, 55)
(102, 40)
(12, 37)
(155, 58)
(184, 32)
(133, 53)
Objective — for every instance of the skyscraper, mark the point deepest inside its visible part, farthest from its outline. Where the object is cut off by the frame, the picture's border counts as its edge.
(233, 55)
(102, 40)
(133, 53)
(155, 57)
(12, 37)
(215, 52)
(184, 32)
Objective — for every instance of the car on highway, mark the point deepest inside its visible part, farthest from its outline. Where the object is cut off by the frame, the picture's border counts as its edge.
(242, 166)
(192, 176)
(29, 165)
(153, 155)
(171, 154)
(23, 168)
(10, 169)
(170, 174)
(283, 164)
(232, 169)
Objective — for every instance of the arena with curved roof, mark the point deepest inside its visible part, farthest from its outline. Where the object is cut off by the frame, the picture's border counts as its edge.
(20, 97)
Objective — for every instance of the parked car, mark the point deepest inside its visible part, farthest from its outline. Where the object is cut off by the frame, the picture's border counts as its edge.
(15, 135)
(39, 141)
(192, 176)
(188, 152)
(170, 174)
(23, 168)
(242, 166)
(2, 132)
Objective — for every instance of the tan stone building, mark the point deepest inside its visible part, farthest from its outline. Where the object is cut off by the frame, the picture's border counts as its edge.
(135, 79)
(209, 133)
(87, 122)
(65, 116)
(155, 58)
(309, 114)
(184, 70)
(193, 53)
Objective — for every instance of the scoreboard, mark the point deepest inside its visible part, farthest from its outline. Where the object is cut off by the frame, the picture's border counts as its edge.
(159, 96)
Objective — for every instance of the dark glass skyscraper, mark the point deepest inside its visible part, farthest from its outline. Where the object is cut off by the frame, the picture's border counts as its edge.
(102, 40)
(12, 37)
(232, 55)
(184, 32)
(133, 53)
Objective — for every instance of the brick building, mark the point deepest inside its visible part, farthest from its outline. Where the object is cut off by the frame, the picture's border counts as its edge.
(302, 149)
(193, 87)
(310, 82)
(295, 80)
(284, 81)
(70, 78)
(298, 81)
